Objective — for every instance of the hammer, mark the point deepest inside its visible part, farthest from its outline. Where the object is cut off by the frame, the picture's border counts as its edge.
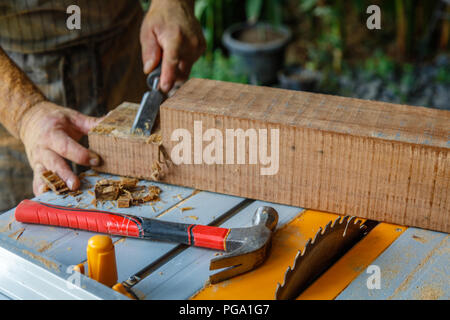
(246, 248)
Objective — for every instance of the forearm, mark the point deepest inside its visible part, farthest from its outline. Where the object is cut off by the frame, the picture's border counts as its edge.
(17, 94)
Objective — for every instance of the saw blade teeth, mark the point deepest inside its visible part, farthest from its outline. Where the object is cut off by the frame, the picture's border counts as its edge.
(300, 253)
(327, 228)
(316, 236)
(335, 221)
(345, 220)
(298, 257)
(344, 225)
(305, 248)
(286, 276)
(277, 291)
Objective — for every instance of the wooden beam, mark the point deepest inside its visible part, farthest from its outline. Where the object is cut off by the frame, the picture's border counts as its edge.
(371, 159)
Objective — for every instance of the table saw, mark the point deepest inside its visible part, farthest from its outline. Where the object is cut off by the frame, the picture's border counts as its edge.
(36, 261)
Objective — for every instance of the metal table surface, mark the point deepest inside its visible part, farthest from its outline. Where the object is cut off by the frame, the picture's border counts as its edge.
(36, 261)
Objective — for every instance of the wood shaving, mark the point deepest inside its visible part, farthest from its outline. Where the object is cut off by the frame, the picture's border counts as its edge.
(17, 234)
(103, 130)
(186, 209)
(124, 202)
(158, 172)
(155, 138)
(75, 193)
(125, 192)
(54, 182)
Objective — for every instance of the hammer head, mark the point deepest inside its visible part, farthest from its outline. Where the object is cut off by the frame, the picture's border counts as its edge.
(247, 247)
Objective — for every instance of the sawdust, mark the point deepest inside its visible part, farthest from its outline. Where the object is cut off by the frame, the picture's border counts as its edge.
(17, 234)
(429, 293)
(161, 166)
(44, 246)
(75, 193)
(193, 217)
(47, 263)
(405, 284)
(8, 226)
(125, 192)
(186, 209)
(155, 138)
(103, 130)
(420, 239)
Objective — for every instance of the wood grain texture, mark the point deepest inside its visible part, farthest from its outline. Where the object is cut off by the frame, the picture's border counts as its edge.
(371, 159)
(121, 152)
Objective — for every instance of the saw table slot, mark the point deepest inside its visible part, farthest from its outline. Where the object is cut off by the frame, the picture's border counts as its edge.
(134, 255)
(162, 259)
(186, 274)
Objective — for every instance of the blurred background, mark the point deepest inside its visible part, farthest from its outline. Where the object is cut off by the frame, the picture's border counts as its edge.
(325, 46)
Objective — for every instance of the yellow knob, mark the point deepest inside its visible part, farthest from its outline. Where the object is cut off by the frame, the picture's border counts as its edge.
(101, 260)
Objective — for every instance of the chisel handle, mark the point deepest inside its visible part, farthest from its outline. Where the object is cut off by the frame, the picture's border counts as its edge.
(29, 211)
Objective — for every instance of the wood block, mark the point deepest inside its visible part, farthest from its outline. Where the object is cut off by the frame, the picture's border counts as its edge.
(123, 153)
(371, 159)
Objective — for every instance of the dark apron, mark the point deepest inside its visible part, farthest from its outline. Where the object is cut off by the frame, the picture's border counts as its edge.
(92, 71)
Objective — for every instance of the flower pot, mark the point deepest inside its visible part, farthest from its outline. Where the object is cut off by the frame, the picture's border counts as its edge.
(259, 49)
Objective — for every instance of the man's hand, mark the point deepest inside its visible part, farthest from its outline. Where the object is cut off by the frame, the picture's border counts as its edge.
(170, 31)
(50, 134)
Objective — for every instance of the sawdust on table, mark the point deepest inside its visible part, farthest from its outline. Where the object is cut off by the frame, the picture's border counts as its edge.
(47, 263)
(17, 234)
(428, 293)
(44, 246)
(125, 192)
(7, 227)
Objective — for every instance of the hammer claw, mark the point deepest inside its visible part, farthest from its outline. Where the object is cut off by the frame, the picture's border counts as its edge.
(237, 262)
(226, 274)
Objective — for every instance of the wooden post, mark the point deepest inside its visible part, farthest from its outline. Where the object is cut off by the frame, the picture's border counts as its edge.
(349, 156)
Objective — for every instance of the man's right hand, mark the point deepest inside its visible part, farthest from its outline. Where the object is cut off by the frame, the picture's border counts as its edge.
(50, 134)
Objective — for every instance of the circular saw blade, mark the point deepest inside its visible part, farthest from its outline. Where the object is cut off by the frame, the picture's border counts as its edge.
(318, 254)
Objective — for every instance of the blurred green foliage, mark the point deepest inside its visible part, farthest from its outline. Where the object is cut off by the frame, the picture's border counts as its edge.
(333, 37)
(215, 16)
(218, 68)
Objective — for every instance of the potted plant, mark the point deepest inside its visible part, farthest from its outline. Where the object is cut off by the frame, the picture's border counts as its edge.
(258, 46)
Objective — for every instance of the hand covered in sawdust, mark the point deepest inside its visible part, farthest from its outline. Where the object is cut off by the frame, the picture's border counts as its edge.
(50, 134)
(170, 31)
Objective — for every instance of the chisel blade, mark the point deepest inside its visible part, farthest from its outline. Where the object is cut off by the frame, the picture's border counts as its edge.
(148, 112)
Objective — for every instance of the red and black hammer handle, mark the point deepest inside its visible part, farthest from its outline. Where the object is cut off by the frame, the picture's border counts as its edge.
(29, 211)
